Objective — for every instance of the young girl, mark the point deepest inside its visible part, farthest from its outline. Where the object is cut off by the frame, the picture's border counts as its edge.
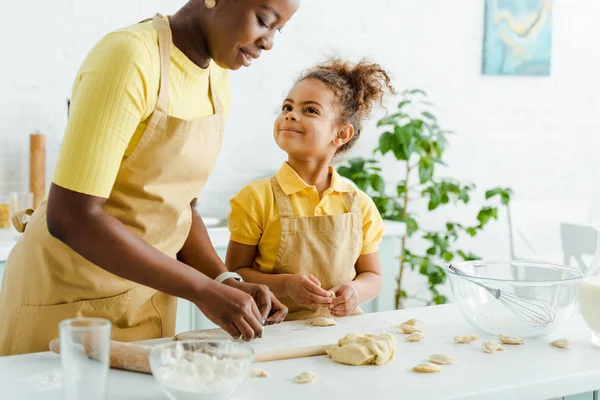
(306, 232)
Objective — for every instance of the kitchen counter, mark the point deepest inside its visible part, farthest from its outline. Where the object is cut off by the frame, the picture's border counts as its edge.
(532, 371)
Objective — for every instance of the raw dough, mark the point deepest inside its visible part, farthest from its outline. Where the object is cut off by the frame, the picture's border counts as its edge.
(510, 339)
(331, 294)
(323, 321)
(307, 377)
(561, 343)
(465, 339)
(409, 328)
(491, 347)
(411, 322)
(415, 337)
(354, 349)
(441, 359)
(257, 372)
(427, 368)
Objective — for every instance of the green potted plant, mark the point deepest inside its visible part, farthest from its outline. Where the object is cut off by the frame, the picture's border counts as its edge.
(414, 138)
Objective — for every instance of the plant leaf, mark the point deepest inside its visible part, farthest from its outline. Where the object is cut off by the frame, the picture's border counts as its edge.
(403, 103)
(377, 183)
(425, 170)
(429, 115)
(386, 142)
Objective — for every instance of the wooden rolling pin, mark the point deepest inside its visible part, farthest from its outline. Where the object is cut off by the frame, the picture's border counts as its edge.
(37, 167)
(127, 356)
(289, 354)
(134, 357)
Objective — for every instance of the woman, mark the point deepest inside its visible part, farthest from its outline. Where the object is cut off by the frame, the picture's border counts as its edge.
(119, 235)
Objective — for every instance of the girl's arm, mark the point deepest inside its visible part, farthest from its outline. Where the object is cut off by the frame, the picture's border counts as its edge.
(240, 259)
(303, 289)
(365, 287)
(368, 277)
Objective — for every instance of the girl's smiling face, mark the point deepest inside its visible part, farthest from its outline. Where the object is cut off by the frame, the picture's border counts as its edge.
(308, 125)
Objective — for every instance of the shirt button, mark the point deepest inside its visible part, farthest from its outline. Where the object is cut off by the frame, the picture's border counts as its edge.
(318, 211)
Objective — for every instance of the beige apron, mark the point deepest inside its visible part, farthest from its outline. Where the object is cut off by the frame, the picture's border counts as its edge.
(326, 246)
(46, 281)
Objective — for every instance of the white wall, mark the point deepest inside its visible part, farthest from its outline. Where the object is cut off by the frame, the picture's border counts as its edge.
(538, 135)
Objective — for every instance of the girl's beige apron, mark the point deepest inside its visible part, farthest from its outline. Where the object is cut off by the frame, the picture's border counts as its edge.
(46, 281)
(326, 246)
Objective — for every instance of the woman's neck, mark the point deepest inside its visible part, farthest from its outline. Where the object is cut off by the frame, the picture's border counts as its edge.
(188, 36)
(313, 172)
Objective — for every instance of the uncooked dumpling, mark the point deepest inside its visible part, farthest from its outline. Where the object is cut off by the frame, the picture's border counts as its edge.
(354, 349)
(257, 372)
(323, 321)
(307, 377)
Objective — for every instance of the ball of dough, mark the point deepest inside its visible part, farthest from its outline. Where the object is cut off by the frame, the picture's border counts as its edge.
(354, 349)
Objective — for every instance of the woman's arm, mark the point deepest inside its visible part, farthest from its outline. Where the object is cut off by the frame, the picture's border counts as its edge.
(199, 253)
(79, 221)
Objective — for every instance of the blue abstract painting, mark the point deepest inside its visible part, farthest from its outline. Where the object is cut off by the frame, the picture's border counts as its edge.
(518, 37)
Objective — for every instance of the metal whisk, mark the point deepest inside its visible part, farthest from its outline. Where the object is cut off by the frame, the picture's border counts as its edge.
(534, 312)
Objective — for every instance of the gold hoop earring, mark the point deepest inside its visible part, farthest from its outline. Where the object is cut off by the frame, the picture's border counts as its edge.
(210, 3)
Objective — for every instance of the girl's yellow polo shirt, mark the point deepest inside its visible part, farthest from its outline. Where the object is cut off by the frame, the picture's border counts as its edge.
(254, 217)
(114, 94)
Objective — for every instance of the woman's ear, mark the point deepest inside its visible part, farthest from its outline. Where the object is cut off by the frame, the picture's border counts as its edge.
(345, 132)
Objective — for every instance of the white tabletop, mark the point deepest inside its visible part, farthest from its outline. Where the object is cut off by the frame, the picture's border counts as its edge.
(532, 371)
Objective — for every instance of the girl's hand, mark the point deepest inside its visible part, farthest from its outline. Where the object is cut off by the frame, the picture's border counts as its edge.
(346, 300)
(306, 291)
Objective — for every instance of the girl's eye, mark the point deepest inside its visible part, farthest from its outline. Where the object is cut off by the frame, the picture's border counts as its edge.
(286, 107)
(312, 110)
(261, 22)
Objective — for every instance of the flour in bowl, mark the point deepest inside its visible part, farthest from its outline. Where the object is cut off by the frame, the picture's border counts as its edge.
(188, 375)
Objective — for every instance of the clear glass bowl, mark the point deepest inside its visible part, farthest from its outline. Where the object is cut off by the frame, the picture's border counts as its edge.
(201, 369)
(558, 285)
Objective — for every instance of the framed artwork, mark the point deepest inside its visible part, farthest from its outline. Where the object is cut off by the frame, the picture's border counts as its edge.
(517, 37)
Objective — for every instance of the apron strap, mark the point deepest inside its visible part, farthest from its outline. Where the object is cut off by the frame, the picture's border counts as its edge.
(165, 41)
(213, 92)
(351, 199)
(17, 219)
(282, 200)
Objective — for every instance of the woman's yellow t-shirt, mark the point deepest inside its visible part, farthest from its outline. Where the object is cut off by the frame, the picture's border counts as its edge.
(254, 217)
(114, 94)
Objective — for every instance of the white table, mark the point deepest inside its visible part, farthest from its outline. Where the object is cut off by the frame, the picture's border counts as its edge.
(532, 371)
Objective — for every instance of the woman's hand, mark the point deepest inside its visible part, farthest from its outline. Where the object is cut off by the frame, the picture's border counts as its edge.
(272, 311)
(232, 309)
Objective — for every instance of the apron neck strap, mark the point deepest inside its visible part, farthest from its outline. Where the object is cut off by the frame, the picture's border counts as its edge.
(213, 91)
(282, 200)
(165, 41)
(351, 199)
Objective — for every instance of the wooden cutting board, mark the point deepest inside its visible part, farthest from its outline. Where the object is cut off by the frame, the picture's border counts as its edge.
(283, 341)
(300, 334)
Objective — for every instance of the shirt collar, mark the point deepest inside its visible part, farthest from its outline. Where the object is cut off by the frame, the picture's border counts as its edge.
(291, 182)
